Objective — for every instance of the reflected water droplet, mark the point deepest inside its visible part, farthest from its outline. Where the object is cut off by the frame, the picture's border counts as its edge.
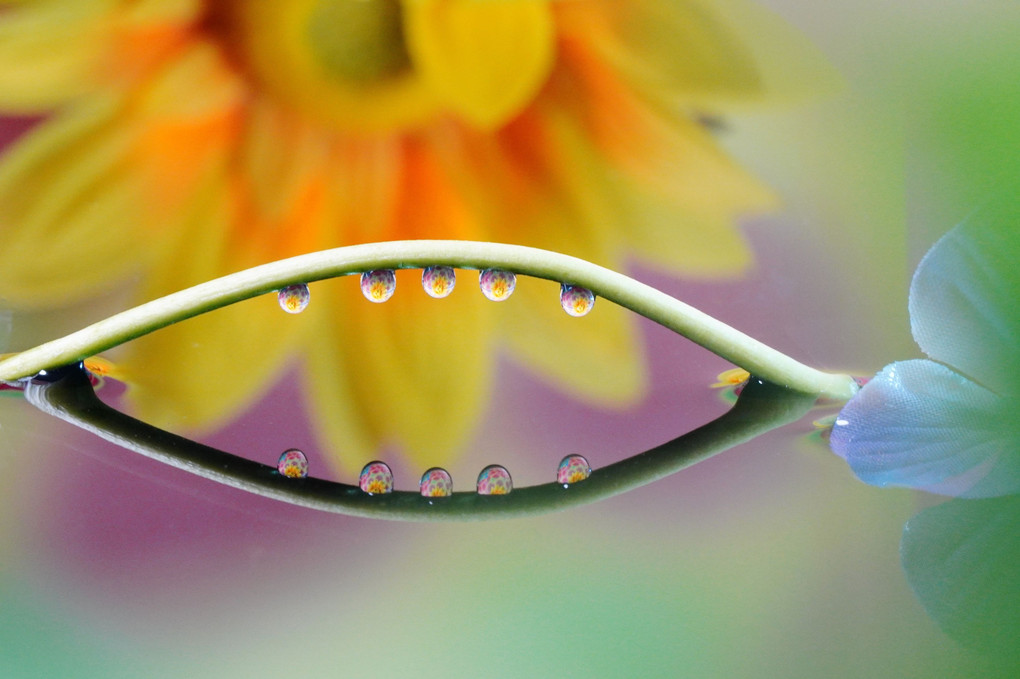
(575, 300)
(497, 284)
(294, 298)
(436, 482)
(293, 464)
(376, 478)
(378, 285)
(494, 480)
(573, 468)
(438, 281)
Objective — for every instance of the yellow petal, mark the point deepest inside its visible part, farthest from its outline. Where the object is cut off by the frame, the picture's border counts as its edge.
(679, 160)
(67, 196)
(665, 151)
(49, 53)
(679, 48)
(555, 195)
(790, 67)
(668, 238)
(187, 112)
(701, 54)
(486, 60)
(199, 373)
(596, 358)
(335, 401)
(195, 84)
(148, 12)
(276, 170)
(88, 195)
(412, 371)
(53, 52)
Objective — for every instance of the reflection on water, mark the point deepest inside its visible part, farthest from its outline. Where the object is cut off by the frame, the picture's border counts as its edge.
(68, 393)
(961, 560)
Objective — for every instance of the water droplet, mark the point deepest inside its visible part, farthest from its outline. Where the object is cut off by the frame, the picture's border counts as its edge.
(293, 464)
(376, 478)
(494, 480)
(294, 298)
(573, 468)
(378, 285)
(497, 284)
(438, 281)
(575, 300)
(436, 482)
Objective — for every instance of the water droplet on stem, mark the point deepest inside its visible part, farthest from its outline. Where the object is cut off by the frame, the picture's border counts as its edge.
(294, 298)
(497, 284)
(575, 300)
(438, 281)
(378, 285)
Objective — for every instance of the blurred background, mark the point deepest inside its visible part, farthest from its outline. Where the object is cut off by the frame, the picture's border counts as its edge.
(768, 560)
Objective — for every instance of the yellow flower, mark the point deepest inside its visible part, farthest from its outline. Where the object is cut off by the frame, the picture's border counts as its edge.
(730, 378)
(186, 139)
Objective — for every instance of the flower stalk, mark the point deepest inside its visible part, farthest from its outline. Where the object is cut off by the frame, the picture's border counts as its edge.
(757, 358)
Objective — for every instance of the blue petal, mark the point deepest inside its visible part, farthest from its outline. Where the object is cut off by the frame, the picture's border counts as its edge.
(921, 425)
(961, 561)
(963, 298)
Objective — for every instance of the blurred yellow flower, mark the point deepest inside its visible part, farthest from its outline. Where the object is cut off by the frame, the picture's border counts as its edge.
(730, 378)
(186, 139)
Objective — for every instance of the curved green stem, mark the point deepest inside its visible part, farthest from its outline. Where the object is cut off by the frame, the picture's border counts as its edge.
(760, 408)
(733, 345)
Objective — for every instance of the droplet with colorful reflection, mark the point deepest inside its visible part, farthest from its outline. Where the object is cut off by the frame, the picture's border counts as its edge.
(436, 482)
(378, 285)
(572, 469)
(376, 478)
(294, 298)
(293, 464)
(438, 281)
(497, 284)
(575, 300)
(494, 480)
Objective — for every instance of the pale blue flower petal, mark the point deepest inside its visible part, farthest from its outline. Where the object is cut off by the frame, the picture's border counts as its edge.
(921, 425)
(961, 560)
(964, 308)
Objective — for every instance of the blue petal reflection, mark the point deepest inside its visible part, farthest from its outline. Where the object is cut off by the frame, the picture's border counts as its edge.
(961, 560)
